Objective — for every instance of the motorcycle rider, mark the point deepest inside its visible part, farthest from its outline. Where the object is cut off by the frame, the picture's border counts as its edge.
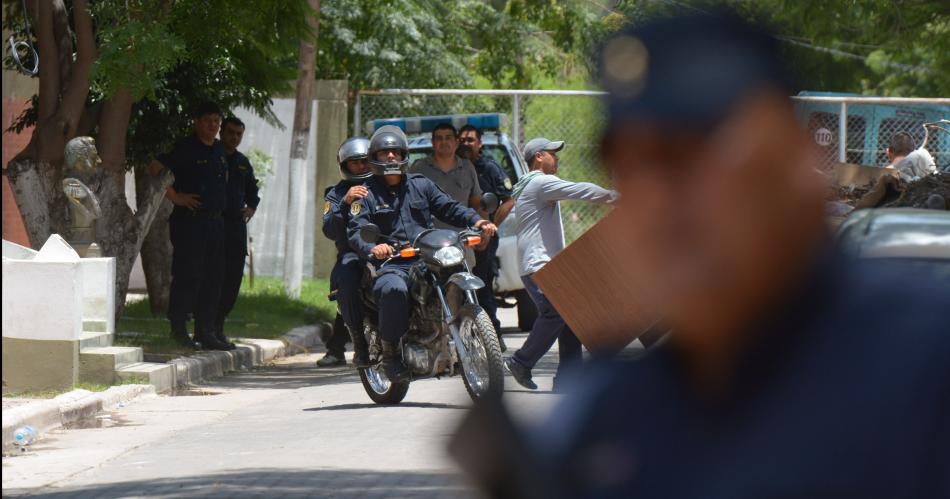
(348, 271)
(402, 206)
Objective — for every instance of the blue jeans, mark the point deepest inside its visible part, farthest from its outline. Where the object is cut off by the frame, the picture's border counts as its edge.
(548, 327)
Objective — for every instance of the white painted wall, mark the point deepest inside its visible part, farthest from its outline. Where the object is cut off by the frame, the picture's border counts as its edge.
(98, 280)
(43, 296)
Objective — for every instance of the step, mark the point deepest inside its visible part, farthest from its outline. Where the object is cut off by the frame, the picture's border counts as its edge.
(161, 376)
(95, 339)
(99, 364)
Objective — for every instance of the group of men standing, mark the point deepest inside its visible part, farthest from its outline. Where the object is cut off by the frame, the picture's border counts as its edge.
(447, 186)
(215, 194)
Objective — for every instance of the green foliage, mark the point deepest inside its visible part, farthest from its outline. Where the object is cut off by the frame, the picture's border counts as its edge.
(262, 163)
(876, 47)
(432, 44)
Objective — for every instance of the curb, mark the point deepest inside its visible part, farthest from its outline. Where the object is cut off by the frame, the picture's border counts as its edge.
(67, 408)
(73, 406)
(249, 353)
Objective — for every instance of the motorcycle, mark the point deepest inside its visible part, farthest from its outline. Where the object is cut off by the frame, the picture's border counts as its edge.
(449, 333)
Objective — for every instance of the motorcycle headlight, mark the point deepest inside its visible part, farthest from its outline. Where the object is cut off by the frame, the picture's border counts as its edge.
(449, 255)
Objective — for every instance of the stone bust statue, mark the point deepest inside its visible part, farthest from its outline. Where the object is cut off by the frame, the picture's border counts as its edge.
(82, 164)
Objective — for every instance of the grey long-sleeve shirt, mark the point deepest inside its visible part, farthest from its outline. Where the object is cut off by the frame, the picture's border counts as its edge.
(540, 233)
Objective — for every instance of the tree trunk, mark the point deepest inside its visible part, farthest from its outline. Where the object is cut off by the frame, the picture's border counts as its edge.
(296, 217)
(156, 252)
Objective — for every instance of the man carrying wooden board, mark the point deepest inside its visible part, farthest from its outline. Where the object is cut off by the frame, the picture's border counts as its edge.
(540, 238)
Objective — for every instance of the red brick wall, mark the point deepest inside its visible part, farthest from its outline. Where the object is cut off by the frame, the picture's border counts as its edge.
(13, 229)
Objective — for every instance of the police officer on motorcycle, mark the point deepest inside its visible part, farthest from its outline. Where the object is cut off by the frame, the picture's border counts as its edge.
(402, 206)
(348, 271)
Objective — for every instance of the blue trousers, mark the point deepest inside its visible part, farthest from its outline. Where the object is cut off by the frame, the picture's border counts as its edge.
(486, 269)
(391, 290)
(197, 270)
(346, 277)
(548, 327)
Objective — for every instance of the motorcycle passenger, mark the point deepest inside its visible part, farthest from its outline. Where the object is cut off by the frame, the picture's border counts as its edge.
(348, 271)
(402, 206)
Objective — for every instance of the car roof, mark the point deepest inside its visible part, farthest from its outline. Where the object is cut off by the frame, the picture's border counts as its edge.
(899, 233)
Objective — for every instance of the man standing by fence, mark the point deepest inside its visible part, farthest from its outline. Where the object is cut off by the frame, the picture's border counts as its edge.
(454, 175)
(491, 178)
(541, 238)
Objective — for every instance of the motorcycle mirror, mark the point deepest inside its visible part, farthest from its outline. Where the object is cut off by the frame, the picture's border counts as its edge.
(369, 233)
(489, 202)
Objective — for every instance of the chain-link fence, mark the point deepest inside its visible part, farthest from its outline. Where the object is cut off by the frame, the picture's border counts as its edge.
(572, 116)
(859, 129)
(577, 117)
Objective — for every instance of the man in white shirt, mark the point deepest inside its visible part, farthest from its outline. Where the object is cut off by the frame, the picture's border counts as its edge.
(540, 238)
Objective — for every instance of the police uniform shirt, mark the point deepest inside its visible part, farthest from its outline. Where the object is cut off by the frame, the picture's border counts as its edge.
(242, 185)
(403, 211)
(460, 183)
(199, 169)
(336, 215)
(492, 178)
(843, 392)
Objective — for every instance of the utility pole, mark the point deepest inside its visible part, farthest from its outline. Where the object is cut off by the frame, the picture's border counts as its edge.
(300, 140)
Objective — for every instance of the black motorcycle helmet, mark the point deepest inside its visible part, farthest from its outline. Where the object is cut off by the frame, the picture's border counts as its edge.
(353, 148)
(385, 138)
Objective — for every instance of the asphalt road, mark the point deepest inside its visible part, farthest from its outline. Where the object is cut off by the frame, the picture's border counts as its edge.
(287, 430)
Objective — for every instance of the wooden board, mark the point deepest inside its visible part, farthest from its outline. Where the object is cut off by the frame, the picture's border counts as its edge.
(605, 308)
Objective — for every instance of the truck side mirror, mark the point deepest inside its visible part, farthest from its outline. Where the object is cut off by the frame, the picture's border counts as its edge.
(489, 202)
(369, 233)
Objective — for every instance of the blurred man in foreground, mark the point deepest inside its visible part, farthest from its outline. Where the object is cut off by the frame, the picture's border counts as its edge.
(790, 372)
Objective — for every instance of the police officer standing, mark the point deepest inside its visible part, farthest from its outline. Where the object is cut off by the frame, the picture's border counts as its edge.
(491, 178)
(243, 199)
(401, 206)
(196, 227)
(347, 274)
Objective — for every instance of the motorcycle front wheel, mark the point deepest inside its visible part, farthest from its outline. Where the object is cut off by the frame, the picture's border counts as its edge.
(484, 375)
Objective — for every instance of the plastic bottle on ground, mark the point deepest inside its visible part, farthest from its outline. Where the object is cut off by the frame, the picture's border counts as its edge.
(24, 436)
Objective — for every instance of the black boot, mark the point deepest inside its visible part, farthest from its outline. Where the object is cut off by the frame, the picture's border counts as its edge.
(360, 349)
(393, 367)
(219, 335)
(207, 340)
(180, 335)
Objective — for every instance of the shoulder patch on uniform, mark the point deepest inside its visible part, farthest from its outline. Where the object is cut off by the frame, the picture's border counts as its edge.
(326, 207)
(355, 208)
(507, 183)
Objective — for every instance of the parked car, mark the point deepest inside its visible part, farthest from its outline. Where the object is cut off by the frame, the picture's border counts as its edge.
(915, 240)
(508, 286)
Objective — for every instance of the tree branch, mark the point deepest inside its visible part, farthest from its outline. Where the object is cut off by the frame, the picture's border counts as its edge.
(49, 60)
(64, 44)
(74, 96)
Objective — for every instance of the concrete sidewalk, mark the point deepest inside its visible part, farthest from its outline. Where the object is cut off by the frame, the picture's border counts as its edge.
(77, 405)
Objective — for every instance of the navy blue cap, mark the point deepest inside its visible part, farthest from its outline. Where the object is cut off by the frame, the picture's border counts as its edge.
(688, 71)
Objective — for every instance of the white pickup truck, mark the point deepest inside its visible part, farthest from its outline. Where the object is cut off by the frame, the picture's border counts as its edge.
(508, 285)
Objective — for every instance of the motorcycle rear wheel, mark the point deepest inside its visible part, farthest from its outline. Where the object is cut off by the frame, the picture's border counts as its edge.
(380, 389)
(487, 353)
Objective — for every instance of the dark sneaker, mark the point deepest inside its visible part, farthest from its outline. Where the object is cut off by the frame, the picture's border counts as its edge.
(396, 372)
(330, 360)
(219, 335)
(521, 373)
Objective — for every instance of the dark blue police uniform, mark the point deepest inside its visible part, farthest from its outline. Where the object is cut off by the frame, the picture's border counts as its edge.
(845, 392)
(242, 193)
(197, 236)
(491, 178)
(401, 212)
(347, 274)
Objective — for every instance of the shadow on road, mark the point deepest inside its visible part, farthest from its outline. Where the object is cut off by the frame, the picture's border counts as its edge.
(275, 483)
(422, 405)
